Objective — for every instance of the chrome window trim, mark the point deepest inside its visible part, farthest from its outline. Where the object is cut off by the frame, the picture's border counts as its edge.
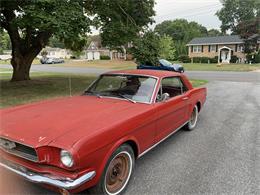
(124, 74)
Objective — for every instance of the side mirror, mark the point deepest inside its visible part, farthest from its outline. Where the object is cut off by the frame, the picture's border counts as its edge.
(165, 97)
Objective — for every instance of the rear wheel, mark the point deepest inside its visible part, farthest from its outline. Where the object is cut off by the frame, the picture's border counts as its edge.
(193, 119)
(117, 172)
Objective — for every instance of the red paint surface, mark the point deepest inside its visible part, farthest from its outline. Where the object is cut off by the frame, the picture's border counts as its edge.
(92, 127)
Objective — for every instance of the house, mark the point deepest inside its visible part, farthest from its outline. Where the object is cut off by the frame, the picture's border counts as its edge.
(95, 51)
(57, 53)
(222, 47)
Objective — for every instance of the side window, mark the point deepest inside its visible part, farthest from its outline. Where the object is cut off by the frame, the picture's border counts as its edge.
(173, 86)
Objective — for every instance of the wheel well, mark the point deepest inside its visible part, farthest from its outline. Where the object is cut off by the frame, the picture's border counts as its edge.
(199, 106)
(133, 146)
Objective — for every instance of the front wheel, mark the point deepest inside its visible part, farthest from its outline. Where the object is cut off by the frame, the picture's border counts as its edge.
(117, 172)
(193, 119)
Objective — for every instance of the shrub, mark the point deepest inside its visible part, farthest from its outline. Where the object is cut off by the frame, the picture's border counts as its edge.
(184, 59)
(233, 59)
(205, 60)
(257, 58)
(214, 60)
(196, 60)
(104, 57)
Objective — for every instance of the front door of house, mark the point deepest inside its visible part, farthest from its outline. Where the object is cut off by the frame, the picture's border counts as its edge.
(225, 56)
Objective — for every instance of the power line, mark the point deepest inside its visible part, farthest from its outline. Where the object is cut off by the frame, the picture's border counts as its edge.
(189, 15)
(212, 5)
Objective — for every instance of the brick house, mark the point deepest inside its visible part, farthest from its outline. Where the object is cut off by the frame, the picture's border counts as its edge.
(221, 46)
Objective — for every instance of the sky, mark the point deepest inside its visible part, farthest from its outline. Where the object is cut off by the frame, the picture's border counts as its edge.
(200, 11)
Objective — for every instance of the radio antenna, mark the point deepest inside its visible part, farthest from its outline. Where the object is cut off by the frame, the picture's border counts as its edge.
(70, 85)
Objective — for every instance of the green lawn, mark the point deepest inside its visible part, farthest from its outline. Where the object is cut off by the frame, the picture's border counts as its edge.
(225, 67)
(120, 64)
(103, 64)
(44, 86)
(124, 65)
(35, 61)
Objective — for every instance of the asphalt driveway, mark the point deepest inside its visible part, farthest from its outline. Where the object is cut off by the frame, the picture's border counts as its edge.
(221, 156)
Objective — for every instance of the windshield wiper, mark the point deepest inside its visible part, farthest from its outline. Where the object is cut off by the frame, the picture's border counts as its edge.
(93, 93)
(123, 96)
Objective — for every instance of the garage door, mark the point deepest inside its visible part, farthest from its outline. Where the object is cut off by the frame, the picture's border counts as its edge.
(96, 56)
(90, 56)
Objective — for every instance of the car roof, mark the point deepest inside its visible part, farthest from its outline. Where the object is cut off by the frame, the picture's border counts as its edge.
(153, 73)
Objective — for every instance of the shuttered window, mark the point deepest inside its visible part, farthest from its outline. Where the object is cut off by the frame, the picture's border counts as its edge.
(212, 48)
(197, 49)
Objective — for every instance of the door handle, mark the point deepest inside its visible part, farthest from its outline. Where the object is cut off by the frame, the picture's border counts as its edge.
(185, 98)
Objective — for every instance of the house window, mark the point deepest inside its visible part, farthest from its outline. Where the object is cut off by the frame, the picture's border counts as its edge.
(197, 48)
(212, 48)
(240, 48)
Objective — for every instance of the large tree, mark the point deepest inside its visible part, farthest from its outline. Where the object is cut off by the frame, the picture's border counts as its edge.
(120, 21)
(146, 48)
(181, 31)
(167, 49)
(31, 23)
(240, 17)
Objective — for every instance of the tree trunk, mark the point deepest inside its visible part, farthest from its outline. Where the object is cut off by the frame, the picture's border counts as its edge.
(22, 63)
(21, 70)
(21, 66)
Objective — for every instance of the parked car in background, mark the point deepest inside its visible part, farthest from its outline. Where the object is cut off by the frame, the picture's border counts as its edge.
(93, 140)
(163, 65)
(46, 60)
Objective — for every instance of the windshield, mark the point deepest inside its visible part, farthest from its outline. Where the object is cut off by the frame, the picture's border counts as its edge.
(165, 62)
(130, 87)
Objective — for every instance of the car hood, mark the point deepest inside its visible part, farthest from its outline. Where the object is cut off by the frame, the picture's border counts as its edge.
(41, 123)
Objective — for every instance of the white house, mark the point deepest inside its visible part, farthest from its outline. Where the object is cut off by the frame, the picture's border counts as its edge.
(57, 53)
(95, 50)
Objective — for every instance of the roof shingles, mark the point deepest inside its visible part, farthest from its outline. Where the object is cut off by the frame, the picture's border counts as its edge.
(230, 39)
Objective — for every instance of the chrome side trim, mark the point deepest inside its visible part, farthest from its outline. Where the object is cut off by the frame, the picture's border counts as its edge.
(65, 183)
(153, 146)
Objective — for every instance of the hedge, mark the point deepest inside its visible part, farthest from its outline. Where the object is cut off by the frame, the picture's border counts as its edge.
(104, 58)
(184, 59)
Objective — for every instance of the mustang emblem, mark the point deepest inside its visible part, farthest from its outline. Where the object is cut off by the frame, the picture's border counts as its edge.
(6, 144)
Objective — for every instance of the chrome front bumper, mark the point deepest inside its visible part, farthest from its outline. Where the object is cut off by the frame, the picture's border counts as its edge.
(64, 183)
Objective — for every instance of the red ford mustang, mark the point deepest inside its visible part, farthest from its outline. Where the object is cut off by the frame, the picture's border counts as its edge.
(92, 141)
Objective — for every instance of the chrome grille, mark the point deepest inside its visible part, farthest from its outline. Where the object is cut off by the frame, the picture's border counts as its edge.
(18, 149)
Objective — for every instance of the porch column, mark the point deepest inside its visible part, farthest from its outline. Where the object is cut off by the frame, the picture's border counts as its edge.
(219, 55)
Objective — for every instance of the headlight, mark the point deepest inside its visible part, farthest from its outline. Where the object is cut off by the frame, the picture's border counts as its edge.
(66, 158)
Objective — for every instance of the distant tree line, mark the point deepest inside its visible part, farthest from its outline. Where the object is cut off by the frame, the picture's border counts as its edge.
(181, 31)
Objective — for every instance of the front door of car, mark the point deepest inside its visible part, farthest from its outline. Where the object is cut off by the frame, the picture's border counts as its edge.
(171, 112)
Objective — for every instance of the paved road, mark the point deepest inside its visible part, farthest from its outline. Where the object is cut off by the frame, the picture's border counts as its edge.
(208, 75)
(221, 156)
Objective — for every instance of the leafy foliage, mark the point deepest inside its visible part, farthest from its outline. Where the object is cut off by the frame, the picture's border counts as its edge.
(240, 16)
(181, 31)
(167, 50)
(184, 59)
(120, 20)
(5, 43)
(146, 49)
(31, 23)
(214, 32)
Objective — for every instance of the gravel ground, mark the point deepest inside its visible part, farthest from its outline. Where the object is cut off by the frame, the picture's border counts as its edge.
(221, 156)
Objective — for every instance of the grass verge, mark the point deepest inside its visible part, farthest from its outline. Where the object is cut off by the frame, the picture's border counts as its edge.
(224, 67)
(45, 86)
(103, 64)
